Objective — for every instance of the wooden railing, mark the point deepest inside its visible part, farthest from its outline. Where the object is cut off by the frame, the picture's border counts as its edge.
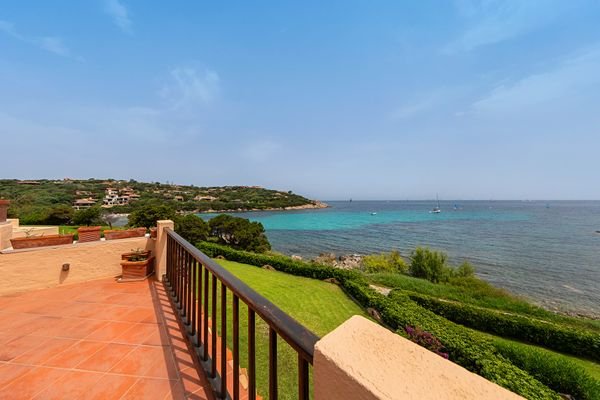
(192, 279)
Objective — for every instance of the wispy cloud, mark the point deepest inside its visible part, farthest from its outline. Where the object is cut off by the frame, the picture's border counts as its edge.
(119, 14)
(576, 74)
(188, 88)
(494, 21)
(53, 44)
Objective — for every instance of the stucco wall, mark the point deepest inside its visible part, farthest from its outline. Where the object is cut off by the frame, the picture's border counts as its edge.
(6, 229)
(24, 270)
(362, 360)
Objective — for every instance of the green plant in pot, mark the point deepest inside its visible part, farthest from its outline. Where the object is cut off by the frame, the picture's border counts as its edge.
(136, 265)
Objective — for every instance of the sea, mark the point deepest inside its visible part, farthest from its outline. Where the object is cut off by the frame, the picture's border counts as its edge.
(546, 251)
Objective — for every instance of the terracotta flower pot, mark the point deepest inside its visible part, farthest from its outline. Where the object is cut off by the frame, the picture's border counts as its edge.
(3, 209)
(153, 232)
(88, 233)
(136, 270)
(144, 253)
(41, 241)
(124, 234)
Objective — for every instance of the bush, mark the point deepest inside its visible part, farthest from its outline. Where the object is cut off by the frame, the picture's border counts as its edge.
(239, 233)
(384, 262)
(552, 369)
(191, 228)
(561, 338)
(429, 264)
(280, 263)
(465, 270)
(470, 349)
(426, 339)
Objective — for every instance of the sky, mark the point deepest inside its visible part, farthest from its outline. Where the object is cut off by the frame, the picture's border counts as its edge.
(333, 100)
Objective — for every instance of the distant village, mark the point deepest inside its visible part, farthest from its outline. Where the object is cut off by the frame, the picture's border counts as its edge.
(84, 194)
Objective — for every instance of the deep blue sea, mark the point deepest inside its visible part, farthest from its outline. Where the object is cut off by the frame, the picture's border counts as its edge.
(548, 252)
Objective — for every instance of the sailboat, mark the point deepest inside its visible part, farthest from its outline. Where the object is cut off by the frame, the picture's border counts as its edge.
(437, 209)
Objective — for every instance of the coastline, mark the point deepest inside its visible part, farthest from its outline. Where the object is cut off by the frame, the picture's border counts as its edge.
(310, 206)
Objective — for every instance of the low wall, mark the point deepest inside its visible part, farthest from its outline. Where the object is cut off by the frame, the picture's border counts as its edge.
(361, 360)
(23, 270)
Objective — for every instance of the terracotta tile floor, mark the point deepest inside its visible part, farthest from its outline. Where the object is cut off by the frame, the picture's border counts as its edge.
(95, 340)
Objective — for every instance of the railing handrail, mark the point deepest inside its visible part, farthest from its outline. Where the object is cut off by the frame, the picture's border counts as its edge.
(294, 333)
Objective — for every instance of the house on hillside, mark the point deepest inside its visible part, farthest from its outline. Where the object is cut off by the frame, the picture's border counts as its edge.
(84, 203)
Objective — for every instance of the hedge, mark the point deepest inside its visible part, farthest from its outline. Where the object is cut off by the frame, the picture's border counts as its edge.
(470, 349)
(554, 370)
(561, 338)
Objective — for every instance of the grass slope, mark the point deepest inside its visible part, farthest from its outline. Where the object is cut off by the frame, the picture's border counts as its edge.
(317, 305)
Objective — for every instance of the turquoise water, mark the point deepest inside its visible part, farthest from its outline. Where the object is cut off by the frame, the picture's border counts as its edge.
(546, 251)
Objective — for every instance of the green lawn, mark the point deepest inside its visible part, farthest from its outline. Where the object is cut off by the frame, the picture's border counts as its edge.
(317, 305)
(478, 293)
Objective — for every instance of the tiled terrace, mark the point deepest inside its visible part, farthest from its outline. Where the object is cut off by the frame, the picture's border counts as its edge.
(95, 340)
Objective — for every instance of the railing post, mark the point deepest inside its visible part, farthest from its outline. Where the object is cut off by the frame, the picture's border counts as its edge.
(160, 247)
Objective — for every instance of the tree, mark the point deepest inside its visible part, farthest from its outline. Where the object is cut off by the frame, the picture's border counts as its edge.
(191, 228)
(146, 214)
(88, 216)
(239, 233)
(60, 215)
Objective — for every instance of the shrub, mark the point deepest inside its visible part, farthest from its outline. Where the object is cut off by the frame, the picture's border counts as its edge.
(561, 338)
(425, 339)
(384, 262)
(429, 264)
(552, 369)
(465, 270)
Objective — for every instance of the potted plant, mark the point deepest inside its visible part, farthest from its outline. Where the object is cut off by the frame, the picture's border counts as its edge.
(136, 265)
(153, 232)
(88, 233)
(123, 234)
(31, 241)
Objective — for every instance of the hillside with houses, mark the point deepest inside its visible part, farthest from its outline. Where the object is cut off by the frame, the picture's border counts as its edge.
(43, 201)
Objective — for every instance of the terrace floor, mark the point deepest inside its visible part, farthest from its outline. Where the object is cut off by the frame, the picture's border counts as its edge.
(96, 340)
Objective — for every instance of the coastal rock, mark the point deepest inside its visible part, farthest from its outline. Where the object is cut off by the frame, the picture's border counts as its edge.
(332, 280)
(351, 261)
(375, 314)
(296, 257)
(220, 257)
(268, 267)
(326, 258)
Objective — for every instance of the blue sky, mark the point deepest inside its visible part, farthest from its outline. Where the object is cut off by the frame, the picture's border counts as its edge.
(337, 99)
